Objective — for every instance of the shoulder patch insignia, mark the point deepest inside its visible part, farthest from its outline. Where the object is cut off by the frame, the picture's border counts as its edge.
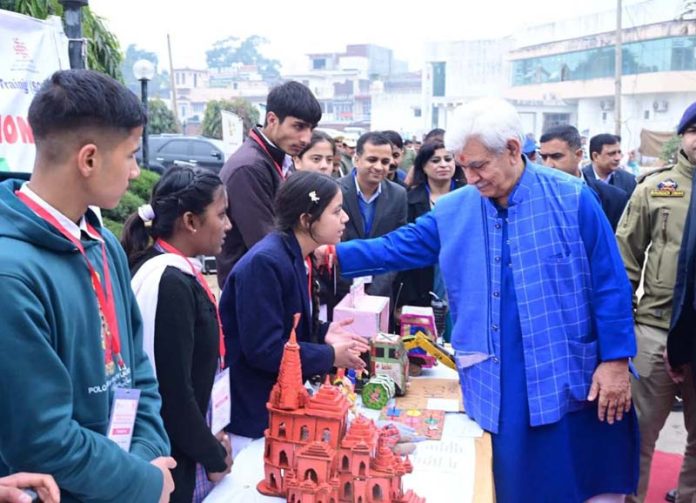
(667, 188)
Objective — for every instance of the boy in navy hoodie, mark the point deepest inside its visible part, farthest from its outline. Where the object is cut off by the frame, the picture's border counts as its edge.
(71, 331)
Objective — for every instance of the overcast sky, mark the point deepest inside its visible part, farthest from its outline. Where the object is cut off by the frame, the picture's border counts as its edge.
(294, 28)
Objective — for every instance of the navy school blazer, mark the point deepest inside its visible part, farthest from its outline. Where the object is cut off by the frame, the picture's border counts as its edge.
(262, 293)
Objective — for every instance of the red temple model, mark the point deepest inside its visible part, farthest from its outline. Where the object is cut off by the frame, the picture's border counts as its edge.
(311, 455)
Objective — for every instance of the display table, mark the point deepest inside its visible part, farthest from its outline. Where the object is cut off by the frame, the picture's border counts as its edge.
(456, 468)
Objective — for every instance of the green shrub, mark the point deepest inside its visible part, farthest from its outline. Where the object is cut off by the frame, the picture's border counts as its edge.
(115, 227)
(142, 186)
(128, 205)
(670, 149)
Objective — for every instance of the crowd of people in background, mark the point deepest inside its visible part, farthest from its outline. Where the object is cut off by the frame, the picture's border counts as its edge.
(559, 356)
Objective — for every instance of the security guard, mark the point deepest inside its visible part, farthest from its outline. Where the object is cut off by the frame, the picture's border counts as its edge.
(654, 218)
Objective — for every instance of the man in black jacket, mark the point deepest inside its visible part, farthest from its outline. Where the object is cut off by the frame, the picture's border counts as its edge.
(254, 172)
(605, 153)
(374, 205)
(561, 148)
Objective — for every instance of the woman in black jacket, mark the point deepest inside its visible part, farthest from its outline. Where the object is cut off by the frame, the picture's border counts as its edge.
(186, 217)
(435, 174)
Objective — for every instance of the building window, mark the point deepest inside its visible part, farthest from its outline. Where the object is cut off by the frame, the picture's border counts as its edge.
(435, 117)
(439, 79)
(319, 64)
(345, 464)
(645, 56)
(283, 460)
(326, 435)
(417, 112)
(281, 430)
(553, 120)
(604, 116)
(304, 433)
(646, 114)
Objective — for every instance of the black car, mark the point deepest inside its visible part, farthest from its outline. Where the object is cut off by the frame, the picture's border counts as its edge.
(166, 150)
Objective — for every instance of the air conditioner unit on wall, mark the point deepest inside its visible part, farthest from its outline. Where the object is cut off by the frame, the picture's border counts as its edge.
(606, 105)
(660, 105)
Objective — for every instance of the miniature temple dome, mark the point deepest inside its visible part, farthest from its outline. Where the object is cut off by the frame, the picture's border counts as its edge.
(289, 392)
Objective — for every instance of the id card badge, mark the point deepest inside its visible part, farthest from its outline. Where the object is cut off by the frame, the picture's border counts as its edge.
(220, 399)
(123, 413)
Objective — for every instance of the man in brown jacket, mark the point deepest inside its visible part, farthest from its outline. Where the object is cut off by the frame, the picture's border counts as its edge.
(254, 172)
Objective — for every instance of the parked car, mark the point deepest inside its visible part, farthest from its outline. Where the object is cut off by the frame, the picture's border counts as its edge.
(166, 149)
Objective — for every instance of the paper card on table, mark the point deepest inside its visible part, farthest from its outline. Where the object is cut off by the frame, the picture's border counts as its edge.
(460, 426)
(220, 399)
(446, 404)
(444, 470)
(123, 413)
(422, 390)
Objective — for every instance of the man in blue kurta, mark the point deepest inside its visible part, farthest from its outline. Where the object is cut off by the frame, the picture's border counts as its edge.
(543, 324)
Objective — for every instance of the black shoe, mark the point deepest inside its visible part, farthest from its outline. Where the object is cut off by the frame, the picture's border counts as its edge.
(671, 496)
(678, 405)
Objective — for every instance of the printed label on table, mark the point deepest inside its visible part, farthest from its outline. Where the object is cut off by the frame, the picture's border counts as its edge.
(123, 413)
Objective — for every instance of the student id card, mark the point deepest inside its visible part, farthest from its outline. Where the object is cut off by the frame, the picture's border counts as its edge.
(123, 414)
(220, 400)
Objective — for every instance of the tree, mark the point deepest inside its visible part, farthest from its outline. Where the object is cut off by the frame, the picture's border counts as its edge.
(212, 121)
(103, 50)
(230, 51)
(159, 86)
(160, 119)
(670, 149)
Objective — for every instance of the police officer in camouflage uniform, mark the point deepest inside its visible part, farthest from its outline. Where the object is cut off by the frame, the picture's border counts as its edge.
(654, 218)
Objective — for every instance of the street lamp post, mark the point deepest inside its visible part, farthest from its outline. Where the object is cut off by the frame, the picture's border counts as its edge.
(72, 14)
(144, 70)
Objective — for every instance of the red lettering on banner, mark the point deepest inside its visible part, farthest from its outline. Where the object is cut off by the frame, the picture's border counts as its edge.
(25, 130)
(14, 128)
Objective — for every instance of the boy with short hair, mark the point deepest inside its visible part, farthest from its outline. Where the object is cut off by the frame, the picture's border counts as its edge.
(71, 329)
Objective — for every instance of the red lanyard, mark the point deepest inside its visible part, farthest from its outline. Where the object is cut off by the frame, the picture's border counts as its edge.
(258, 140)
(308, 261)
(201, 280)
(107, 304)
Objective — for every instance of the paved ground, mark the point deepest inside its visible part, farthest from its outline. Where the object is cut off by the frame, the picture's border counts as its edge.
(673, 436)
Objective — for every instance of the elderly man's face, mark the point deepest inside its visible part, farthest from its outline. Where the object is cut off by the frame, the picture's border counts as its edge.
(494, 175)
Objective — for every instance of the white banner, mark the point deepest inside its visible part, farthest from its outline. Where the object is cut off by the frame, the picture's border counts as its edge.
(30, 51)
(232, 131)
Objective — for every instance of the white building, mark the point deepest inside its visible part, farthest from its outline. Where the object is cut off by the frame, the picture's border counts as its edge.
(195, 88)
(456, 72)
(563, 73)
(342, 82)
(567, 69)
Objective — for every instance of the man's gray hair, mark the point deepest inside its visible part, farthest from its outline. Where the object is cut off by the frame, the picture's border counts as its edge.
(492, 121)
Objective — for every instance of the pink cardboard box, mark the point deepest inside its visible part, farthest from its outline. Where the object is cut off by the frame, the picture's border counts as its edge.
(370, 313)
(415, 318)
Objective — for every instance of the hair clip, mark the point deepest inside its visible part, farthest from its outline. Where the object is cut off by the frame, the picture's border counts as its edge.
(146, 214)
(313, 196)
